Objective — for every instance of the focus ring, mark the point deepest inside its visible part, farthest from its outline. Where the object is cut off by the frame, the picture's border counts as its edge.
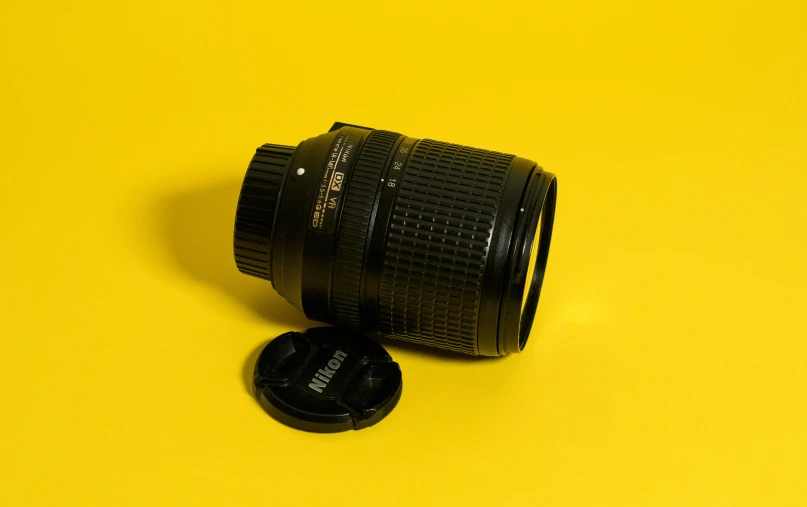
(437, 244)
(256, 209)
(355, 224)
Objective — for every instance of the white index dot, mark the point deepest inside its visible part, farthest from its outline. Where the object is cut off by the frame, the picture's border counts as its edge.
(300, 171)
(522, 209)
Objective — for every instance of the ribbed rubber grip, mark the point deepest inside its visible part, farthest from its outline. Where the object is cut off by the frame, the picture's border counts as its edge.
(437, 244)
(361, 193)
(256, 209)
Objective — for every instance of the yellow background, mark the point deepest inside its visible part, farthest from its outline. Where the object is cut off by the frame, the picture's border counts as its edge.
(668, 364)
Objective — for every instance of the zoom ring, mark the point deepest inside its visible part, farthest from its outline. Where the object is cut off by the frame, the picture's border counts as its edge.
(256, 209)
(355, 224)
(437, 244)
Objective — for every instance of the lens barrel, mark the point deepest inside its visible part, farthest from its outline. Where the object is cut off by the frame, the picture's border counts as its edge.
(415, 239)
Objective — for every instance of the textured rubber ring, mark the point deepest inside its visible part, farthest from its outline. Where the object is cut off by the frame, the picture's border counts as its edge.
(354, 227)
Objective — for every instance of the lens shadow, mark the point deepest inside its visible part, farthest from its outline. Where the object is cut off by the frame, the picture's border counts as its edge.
(396, 347)
(249, 368)
(196, 227)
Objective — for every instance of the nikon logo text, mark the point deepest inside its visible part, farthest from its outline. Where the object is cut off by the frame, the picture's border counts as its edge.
(324, 375)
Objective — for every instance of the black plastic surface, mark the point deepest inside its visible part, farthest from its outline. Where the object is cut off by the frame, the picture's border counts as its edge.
(326, 380)
(415, 239)
(260, 194)
(338, 125)
(357, 220)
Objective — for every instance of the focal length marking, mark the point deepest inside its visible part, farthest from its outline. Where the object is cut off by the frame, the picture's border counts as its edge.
(324, 375)
(329, 190)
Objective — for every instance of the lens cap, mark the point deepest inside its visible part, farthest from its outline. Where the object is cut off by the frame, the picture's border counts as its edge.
(327, 380)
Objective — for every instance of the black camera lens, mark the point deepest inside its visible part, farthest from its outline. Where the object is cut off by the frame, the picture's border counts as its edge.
(420, 240)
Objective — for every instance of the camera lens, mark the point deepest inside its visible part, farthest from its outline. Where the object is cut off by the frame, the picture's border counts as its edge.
(420, 240)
